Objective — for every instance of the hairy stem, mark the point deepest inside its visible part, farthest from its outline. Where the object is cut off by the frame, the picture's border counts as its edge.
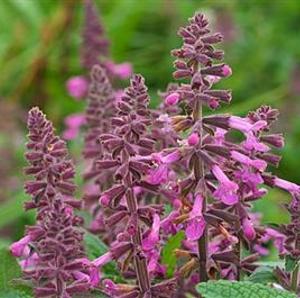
(140, 262)
(199, 176)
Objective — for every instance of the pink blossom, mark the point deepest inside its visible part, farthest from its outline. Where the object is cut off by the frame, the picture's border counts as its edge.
(259, 164)
(153, 237)
(195, 224)
(244, 125)
(220, 136)
(172, 99)
(286, 185)
(226, 70)
(161, 172)
(20, 248)
(122, 70)
(73, 123)
(77, 87)
(193, 139)
(29, 263)
(248, 229)
(252, 143)
(227, 189)
(102, 260)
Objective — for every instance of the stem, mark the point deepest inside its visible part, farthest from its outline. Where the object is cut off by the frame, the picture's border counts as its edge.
(199, 175)
(140, 262)
(238, 267)
(295, 278)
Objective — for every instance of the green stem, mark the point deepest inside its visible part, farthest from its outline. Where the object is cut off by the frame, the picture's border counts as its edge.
(295, 278)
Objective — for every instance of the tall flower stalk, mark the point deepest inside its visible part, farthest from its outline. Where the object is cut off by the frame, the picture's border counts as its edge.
(51, 254)
(195, 61)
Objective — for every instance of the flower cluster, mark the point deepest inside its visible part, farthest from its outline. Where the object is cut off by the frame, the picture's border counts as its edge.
(51, 254)
(94, 51)
(127, 151)
(152, 174)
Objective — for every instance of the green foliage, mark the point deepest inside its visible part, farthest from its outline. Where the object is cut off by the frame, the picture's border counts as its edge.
(290, 263)
(168, 256)
(243, 289)
(263, 275)
(10, 274)
(94, 247)
(14, 294)
(9, 269)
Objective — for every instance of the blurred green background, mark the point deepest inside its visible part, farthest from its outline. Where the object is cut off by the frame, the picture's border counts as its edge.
(39, 50)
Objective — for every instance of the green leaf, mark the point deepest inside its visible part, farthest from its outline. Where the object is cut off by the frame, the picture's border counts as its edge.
(168, 257)
(263, 275)
(14, 294)
(9, 269)
(290, 263)
(12, 209)
(243, 289)
(94, 246)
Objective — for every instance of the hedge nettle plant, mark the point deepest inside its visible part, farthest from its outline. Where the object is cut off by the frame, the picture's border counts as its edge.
(152, 174)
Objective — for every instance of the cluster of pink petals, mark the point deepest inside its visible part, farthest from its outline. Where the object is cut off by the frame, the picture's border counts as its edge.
(77, 87)
(73, 124)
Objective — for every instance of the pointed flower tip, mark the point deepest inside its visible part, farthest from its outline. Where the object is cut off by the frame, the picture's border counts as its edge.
(172, 99)
(104, 200)
(248, 229)
(193, 139)
(226, 71)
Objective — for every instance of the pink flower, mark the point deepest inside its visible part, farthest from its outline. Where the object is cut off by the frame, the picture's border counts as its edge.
(20, 248)
(161, 172)
(193, 139)
(102, 260)
(252, 143)
(286, 185)
(278, 238)
(73, 123)
(195, 224)
(248, 229)
(153, 237)
(251, 179)
(172, 99)
(243, 124)
(77, 87)
(220, 136)
(29, 263)
(226, 70)
(93, 277)
(167, 224)
(259, 164)
(122, 70)
(227, 189)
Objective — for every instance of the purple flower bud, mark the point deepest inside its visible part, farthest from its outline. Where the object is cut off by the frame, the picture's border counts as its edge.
(248, 229)
(172, 99)
(193, 139)
(275, 140)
